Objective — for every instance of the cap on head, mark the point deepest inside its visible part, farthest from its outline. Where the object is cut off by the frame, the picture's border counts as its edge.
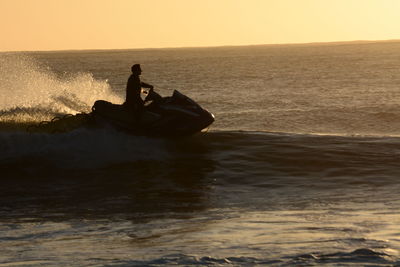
(136, 68)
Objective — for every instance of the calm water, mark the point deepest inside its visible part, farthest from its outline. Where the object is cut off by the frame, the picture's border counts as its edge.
(301, 166)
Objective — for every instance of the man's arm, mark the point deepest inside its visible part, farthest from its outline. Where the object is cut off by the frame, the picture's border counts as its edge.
(146, 85)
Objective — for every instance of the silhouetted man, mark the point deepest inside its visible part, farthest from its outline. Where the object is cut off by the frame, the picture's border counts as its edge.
(134, 87)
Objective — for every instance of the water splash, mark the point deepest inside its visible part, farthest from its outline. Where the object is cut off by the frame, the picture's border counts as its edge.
(31, 92)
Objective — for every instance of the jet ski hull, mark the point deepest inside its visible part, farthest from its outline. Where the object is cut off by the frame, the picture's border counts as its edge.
(168, 117)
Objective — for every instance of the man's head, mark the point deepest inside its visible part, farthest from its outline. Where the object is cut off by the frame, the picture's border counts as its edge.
(136, 69)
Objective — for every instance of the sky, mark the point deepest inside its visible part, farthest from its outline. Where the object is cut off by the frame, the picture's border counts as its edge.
(27, 25)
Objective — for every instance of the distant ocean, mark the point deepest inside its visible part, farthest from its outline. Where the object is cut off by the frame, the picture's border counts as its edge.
(300, 168)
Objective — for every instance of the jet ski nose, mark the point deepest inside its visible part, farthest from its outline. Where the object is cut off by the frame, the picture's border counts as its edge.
(212, 118)
(208, 118)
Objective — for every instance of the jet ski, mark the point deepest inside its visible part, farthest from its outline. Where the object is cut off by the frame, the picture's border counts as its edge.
(171, 116)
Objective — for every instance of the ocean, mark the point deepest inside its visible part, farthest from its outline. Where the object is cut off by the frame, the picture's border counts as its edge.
(300, 167)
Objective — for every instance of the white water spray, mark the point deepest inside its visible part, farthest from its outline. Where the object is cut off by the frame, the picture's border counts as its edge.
(31, 92)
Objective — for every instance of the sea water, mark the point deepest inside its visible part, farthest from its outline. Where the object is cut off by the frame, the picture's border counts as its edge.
(301, 166)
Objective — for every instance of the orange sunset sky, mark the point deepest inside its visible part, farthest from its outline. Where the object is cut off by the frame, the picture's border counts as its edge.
(114, 24)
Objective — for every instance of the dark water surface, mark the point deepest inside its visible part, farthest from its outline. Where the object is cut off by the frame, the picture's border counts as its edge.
(220, 198)
(300, 167)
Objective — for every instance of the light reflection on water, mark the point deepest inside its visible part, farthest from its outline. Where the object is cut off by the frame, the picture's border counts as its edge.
(219, 233)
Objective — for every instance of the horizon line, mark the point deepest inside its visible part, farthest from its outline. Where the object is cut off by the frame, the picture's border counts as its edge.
(206, 46)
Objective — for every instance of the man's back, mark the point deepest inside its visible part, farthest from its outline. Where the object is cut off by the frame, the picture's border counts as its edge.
(133, 89)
